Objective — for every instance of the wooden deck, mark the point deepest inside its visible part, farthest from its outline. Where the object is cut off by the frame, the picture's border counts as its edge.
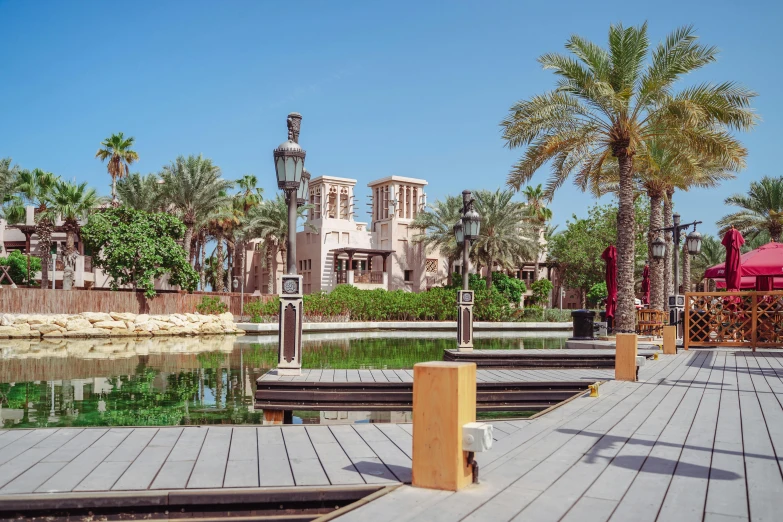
(534, 359)
(700, 437)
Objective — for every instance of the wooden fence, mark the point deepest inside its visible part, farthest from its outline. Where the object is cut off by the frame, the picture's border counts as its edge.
(37, 301)
(740, 319)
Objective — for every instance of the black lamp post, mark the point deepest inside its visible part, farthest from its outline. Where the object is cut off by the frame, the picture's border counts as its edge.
(465, 231)
(289, 167)
(693, 243)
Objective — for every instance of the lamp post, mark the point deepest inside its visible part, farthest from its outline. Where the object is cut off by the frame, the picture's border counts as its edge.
(289, 165)
(693, 243)
(466, 230)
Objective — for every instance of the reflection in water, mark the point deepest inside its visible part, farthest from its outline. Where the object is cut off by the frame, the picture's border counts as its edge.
(175, 381)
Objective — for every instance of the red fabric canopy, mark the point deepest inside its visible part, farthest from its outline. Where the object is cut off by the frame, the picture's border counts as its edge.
(646, 284)
(610, 256)
(764, 261)
(750, 282)
(733, 241)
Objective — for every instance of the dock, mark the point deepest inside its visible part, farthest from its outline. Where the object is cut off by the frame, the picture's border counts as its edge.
(529, 359)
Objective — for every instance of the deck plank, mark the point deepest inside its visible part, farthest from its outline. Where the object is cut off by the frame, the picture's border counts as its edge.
(364, 459)
(305, 465)
(393, 457)
(336, 464)
(242, 467)
(13, 478)
(146, 465)
(210, 468)
(274, 468)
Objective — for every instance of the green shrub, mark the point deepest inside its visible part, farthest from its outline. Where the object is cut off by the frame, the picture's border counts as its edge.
(17, 268)
(597, 294)
(541, 290)
(211, 306)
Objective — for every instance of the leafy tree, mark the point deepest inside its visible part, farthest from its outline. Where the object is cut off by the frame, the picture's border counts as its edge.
(141, 192)
(436, 227)
(506, 237)
(596, 294)
(761, 209)
(8, 175)
(607, 104)
(136, 247)
(193, 186)
(541, 291)
(510, 287)
(536, 202)
(34, 188)
(117, 150)
(712, 253)
(19, 271)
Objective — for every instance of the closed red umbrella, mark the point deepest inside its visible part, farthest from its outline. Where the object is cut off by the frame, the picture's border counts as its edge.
(610, 256)
(733, 241)
(646, 284)
(765, 283)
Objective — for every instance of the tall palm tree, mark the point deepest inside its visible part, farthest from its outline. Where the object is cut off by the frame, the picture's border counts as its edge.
(436, 228)
(141, 192)
(117, 150)
(249, 196)
(536, 202)
(269, 221)
(506, 236)
(34, 188)
(712, 253)
(193, 186)
(70, 202)
(761, 209)
(8, 175)
(607, 103)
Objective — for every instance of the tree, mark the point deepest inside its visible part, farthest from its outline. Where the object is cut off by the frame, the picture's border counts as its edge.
(249, 196)
(577, 249)
(761, 210)
(8, 175)
(269, 221)
(117, 150)
(436, 228)
(21, 270)
(70, 202)
(193, 186)
(607, 103)
(141, 192)
(34, 188)
(135, 248)
(506, 236)
(712, 253)
(536, 199)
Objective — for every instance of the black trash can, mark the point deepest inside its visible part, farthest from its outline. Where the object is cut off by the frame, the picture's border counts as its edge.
(583, 325)
(609, 322)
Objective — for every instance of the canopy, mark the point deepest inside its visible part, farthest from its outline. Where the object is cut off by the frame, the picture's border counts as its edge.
(764, 261)
(750, 283)
(610, 256)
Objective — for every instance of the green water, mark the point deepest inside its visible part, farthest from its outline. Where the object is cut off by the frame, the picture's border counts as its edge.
(184, 381)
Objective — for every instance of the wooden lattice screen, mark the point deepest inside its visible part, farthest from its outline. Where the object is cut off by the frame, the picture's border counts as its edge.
(742, 319)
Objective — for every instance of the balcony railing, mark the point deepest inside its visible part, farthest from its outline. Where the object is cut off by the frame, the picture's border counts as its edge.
(368, 276)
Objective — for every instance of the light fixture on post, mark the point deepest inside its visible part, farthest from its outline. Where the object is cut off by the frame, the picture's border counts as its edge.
(466, 230)
(659, 248)
(304, 189)
(289, 166)
(693, 242)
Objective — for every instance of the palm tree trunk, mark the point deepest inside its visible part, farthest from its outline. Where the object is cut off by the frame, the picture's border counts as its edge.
(668, 280)
(202, 273)
(230, 254)
(656, 265)
(187, 241)
(686, 269)
(219, 268)
(625, 317)
(270, 289)
(68, 271)
(44, 231)
(489, 274)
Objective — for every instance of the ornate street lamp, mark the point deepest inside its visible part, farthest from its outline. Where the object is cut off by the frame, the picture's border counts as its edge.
(303, 193)
(289, 166)
(466, 230)
(693, 243)
(659, 248)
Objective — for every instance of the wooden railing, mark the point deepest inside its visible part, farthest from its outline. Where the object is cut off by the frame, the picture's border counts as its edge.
(741, 319)
(368, 276)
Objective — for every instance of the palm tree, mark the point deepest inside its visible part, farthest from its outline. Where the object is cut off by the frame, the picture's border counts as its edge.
(607, 103)
(249, 196)
(536, 199)
(34, 188)
(71, 202)
(8, 175)
(506, 236)
(712, 253)
(436, 226)
(194, 187)
(141, 192)
(761, 209)
(117, 150)
(269, 221)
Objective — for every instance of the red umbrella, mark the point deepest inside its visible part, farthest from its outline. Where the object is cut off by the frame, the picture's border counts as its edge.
(646, 284)
(610, 256)
(766, 260)
(750, 282)
(733, 241)
(765, 283)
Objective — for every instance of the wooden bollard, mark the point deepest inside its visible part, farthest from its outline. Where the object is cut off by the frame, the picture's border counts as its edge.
(625, 357)
(444, 399)
(670, 340)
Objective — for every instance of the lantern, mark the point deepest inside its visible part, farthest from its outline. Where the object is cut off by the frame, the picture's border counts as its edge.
(693, 243)
(289, 164)
(658, 248)
(471, 223)
(459, 232)
(303, 193)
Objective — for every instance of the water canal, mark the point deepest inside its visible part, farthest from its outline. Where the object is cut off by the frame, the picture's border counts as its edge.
(193, 381)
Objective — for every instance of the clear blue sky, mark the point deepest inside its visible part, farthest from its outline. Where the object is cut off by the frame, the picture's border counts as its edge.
(407, 88)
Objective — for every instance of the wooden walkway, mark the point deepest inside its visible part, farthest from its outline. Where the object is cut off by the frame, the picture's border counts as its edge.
(538, 359)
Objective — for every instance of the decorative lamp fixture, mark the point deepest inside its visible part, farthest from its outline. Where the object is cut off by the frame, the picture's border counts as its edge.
(289, 164)
(658, 248)
(236, 283)
(304, 189)
(459, 232)
(693, 243)
(471, 222)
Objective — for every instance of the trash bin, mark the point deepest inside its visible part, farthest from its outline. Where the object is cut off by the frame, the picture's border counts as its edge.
(583, 324)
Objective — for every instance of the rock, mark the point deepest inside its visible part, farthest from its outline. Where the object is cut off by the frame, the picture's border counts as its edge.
(6, 320)
(142, 318)
(226, 316)
(17, 330)
(161, 324)
(211, 328)
(48, 328)
(177, 321)
(123, 316)
(109, 325)
(60, 320)
(77, 323)
(88, 332)
(53, 334)
(38, 319)
(122, 332)
(94, 317)
(193, 318)
(159, 333)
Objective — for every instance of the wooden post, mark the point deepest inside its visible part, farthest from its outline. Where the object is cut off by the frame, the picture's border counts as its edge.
(625, 357)
(754, 318)
(686, 327)
(670, 340)
(273, 417)
(444, 399)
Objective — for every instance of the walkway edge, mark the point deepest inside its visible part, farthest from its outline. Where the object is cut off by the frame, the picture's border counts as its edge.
(272, 328)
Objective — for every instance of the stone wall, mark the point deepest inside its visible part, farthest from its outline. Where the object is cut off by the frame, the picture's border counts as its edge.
(98, 324)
